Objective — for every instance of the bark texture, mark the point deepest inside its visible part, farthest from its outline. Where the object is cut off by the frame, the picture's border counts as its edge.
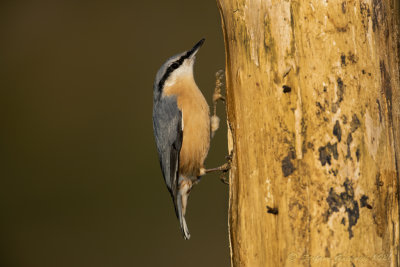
(313, 108)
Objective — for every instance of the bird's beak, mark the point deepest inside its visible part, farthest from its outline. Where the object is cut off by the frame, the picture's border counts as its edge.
(192, 52)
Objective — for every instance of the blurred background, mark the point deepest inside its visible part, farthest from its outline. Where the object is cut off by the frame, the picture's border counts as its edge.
(80, 178)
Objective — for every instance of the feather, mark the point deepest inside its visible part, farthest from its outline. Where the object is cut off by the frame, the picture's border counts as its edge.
(167, 125)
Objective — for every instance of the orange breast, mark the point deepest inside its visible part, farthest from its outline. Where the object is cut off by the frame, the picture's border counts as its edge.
(196, 127)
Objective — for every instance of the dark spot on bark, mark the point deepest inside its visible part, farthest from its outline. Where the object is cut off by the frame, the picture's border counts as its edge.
(340, 82)
(333, 149)
(364, 202)
(363, 71)
(310, 145)
(343, 221)
(352, 58)
(344, 4)
(380, 111)
(340, 89)
(326, 153)
(286, 89)
(378, 181)
(320, 109)
(337, 131)
(346, 200)
(358, 154)
(257, 84)
(272, 210)
(320, 106)
(287, 165)
(327, 253)
(364, 9)
(324, 156)
(334, 202)
(349, 140)
(378, 14)
(355, 123)
(386, 88)
(374, 19)
(287, 72)
(398, 49)
(325, 89)
(344, 119)
(369, 74)
(343, 59)
(365, 13)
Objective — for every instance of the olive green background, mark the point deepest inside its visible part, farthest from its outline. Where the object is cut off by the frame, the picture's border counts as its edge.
(80, 179)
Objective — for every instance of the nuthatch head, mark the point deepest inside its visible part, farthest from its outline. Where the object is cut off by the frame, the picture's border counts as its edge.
(181, 124)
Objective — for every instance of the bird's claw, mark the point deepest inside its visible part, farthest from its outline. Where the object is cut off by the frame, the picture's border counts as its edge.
(223, 169)
(224, 179)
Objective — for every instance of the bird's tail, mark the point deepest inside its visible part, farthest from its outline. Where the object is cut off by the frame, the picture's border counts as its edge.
(181, 203)
(184, 228)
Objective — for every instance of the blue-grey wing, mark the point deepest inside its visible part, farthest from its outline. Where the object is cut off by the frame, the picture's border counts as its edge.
(168, 132)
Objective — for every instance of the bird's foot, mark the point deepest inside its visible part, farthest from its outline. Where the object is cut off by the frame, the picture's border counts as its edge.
(223, 169)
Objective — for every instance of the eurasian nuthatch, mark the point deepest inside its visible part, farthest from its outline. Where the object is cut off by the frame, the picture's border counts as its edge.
(181, 123)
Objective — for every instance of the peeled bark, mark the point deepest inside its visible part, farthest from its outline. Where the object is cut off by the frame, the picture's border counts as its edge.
(314, 113)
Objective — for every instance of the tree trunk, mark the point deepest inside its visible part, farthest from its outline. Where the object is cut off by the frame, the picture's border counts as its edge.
(313, 110)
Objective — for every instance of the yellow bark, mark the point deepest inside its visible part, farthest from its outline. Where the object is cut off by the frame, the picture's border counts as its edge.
(313, 110)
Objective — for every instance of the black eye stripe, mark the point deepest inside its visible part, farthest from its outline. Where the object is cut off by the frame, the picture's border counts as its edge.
(176, 64)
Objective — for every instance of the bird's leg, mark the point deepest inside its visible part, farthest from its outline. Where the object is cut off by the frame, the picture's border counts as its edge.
(219, 75)
(223, 168)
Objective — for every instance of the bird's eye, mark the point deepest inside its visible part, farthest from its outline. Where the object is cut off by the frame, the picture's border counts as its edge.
(175, 65)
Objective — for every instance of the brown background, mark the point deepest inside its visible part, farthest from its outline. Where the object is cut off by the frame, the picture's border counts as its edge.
(80, 178)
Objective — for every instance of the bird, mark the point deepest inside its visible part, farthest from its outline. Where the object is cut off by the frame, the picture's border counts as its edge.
(182, 128)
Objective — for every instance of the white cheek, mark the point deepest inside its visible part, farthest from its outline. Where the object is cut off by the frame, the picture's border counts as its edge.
(170, 81)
